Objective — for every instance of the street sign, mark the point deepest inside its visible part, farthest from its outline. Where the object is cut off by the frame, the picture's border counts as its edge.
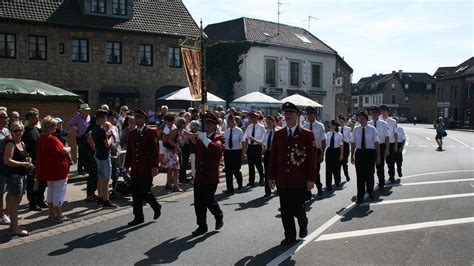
(316, 93)
(267, 90)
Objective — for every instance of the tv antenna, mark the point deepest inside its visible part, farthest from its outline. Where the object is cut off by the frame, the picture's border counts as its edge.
(279, 13)
(309, 21)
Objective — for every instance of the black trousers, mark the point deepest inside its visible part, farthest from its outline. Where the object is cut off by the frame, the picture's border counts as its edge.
(381, 166)
(319, 185)
(292, 205)
(91, 168)
(141, 192)
(82, 153)
(391, 162)
(254, 159)
(399, 155)
(364, 163)
(233, 163)
(185, 153)
(203, 200)
(34, 197)
(345, 159)
(333, 167)
(266, 163)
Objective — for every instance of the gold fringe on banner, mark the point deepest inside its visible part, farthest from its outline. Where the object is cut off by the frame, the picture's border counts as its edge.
(192, 68)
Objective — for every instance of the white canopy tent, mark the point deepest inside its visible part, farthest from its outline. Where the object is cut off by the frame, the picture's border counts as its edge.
(256, 98)
(185, 95)
(301, 101)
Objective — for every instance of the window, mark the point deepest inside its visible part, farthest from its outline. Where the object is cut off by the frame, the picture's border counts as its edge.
(61, 48)
(7, 45)
(407, 99)
(367, 99)
(429, 86)
(393, 99)
(316, 76)
(393, 86)
(80, 50)
(145, 54)
(98, 6)
(119, 7)
(407, 86)
(36, 47)
(114, 53)
(470, 91)
(174, 57)
(355, 100)
(295, 73)
(270, 72)
(455, 92)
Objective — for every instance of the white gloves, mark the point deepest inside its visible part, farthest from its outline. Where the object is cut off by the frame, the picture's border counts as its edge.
(203, 137)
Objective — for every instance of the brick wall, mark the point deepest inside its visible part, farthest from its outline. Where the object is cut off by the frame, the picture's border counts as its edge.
(62, 109)
(60, 71)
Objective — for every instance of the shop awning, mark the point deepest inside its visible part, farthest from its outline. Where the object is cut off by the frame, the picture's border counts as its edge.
(119, 90)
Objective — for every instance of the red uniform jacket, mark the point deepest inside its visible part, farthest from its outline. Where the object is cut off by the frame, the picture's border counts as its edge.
(212, 156)
(293, 163)
(143, 152)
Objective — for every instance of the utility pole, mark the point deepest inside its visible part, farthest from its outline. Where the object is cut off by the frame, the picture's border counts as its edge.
(279, 13)
(309, 21)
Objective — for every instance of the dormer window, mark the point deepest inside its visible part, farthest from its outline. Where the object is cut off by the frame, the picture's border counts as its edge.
(119, 7)
(98, 6)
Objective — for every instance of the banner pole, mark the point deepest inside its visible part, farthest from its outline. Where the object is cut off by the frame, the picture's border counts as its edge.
(203, 78)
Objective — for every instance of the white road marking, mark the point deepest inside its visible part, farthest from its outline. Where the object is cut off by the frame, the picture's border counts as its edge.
(428, 139)
(385, 202)
(392, 229)
(422, 145)
(431, 182)
(459, 141)
(438, 173)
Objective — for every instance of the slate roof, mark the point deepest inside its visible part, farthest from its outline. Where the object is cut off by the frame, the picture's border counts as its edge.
(265, 32)
(466, 68)
(167, 17)
(443, 70)
(377, 83)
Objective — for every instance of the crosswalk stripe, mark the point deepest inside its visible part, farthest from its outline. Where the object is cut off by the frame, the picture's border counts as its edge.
(431, 182)
(392, 229)
(385, 202)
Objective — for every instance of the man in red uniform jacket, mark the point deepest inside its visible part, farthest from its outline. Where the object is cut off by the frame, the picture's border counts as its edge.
(142, 162)
(209, 148)
(293, 170)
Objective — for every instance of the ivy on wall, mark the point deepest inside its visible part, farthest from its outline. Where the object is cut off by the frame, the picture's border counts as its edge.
(223, 66)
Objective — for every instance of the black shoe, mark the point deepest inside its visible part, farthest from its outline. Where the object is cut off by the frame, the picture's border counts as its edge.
(184, 181)
(371, 196)
(348, 178)
(320, 192)
(267, 195)
(303, 231)
(157, 213)
(381, 187)
(34, 208)
(199, 231)
(250, 184)
(309, 195)
(360, 201)
(287, 241)
(261, 183)
(228, 192)
(392, 180)
(136, 222)
(400, 173)
(100, 201)
(219, 223)
(42, 205)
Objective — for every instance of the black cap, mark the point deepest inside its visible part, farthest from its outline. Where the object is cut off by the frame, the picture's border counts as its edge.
(310, 109)
(384, 107)
(101, 113)
(140, 113)
(289, 107)
(374, 109)
(210, 117)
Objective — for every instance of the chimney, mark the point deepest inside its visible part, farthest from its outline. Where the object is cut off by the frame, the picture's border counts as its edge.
(400, 74)
(393, 71)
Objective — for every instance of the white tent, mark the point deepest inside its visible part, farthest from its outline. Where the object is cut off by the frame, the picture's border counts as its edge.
(185, 95)
(300, 100)
(256, 98)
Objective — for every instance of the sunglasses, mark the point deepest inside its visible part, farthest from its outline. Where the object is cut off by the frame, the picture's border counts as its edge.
(17, 130)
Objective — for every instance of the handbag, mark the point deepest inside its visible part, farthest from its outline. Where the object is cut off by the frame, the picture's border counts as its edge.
(445, 133)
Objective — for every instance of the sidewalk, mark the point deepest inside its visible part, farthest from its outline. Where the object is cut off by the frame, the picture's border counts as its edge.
(76, 209)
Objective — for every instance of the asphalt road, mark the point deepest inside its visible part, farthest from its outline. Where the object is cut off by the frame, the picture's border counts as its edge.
(428, 218)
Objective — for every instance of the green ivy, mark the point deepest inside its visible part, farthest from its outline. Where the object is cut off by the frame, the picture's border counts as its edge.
(223, 66)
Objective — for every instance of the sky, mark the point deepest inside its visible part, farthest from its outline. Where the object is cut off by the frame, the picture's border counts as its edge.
(372, 36)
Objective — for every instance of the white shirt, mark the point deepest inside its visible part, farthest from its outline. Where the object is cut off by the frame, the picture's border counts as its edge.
(337, 139)
(346, 133)
(401, 134)
(237, 138)
(318, 131)
(370, 137)
(392, 126)
(265, 139)
(382, 130)
(292, 130)
(259, 133)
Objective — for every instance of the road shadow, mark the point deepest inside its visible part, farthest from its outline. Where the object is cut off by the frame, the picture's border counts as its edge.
(262, 258)
(361, 211)
(98, 239)
(255, 203)
(170, 250)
